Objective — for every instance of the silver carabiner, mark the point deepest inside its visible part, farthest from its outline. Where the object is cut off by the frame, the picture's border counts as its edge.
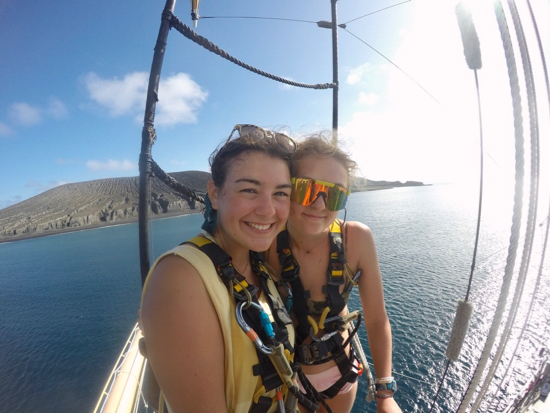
(252, 335)
(323, 338)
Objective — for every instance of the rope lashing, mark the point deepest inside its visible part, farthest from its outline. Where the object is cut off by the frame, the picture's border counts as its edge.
(208, 45)
(460, 326)
(470, 39)
(171, 182)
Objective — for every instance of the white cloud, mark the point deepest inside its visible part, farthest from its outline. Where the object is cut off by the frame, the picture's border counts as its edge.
(5, 130)
(111, 165)
(368, 99)
(120, 97)
(24, 114)
(179, 97)
(57, 109)
(357, 74)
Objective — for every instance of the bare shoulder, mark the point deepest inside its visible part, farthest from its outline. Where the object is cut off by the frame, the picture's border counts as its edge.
(356, 228)
(174, 297)
(174, 284)
(169, 272)
(360, 248)
(357, 237)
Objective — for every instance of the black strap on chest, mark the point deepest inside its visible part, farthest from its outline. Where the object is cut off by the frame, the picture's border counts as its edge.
(290, 273)
(265, 368)
(335, 271)
(227, 273)
(317, 352)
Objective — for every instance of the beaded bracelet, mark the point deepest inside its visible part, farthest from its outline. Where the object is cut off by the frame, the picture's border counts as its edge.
(384, 380)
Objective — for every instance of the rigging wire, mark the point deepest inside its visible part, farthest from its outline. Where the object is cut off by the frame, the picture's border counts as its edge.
(377, 11)
(401, 70)
(533, 201)
(517, 210)
(342, 26)
(545, 243)
(299, 20)
(472, 52)
(258, 18)
(394, 373)
(473, 266)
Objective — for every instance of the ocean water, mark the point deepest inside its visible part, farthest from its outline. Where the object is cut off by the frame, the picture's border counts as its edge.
(68, 302)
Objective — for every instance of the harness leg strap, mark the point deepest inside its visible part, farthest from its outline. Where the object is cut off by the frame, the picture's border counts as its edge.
(347, 370)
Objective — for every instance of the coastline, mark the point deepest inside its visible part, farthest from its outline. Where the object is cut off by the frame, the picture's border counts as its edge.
(97, 225)
(32, 235)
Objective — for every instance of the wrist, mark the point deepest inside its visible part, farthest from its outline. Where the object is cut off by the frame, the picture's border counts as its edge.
(385, 387)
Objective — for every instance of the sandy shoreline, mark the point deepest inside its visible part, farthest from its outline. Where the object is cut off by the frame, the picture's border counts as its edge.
(31, 235)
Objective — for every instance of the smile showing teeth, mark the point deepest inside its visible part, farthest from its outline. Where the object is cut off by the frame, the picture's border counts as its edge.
(259, 227)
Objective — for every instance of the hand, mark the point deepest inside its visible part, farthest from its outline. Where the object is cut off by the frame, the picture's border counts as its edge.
(388, 405)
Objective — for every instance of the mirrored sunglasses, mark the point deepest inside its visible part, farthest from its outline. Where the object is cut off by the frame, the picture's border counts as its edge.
(283, 140)
(306, 191)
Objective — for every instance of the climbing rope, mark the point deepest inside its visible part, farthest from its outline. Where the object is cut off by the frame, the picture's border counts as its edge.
(371, 389)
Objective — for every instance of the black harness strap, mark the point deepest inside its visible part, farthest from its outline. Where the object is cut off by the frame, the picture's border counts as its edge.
(290, 273)
(317, 352)
(335, 271)
(227, 273)
(347, 370)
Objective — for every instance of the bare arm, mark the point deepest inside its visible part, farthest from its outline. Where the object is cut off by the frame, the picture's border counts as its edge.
(363, 250)
(184, 338)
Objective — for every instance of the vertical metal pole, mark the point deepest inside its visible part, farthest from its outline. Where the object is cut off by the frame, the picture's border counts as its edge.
(334, 69)
(148, 137)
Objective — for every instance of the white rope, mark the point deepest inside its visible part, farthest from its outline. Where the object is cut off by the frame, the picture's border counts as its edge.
(366, 367)
(532, 208)
(516, 218)
(545, 242)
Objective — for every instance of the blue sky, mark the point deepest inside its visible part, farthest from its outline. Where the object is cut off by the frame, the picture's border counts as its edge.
(74, 77)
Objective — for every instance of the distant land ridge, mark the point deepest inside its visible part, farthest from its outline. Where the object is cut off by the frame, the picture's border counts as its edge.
(91, 204)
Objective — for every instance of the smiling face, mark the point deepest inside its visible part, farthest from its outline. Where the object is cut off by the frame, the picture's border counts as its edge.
(315, 218)
(253, 203)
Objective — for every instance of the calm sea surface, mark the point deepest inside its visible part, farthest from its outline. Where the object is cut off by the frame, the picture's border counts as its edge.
(68, 302)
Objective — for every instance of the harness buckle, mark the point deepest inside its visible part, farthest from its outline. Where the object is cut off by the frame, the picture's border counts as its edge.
(226, 270)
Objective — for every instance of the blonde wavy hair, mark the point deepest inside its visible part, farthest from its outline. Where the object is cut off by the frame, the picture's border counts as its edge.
(323, 145)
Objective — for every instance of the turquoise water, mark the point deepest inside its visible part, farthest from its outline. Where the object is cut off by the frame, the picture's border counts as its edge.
(68, 302)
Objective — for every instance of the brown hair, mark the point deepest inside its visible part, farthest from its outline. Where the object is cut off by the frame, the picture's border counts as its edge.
(265, 143)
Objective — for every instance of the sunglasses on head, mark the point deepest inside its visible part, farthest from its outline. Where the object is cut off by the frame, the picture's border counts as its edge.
(253, 131)
(305, 191)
